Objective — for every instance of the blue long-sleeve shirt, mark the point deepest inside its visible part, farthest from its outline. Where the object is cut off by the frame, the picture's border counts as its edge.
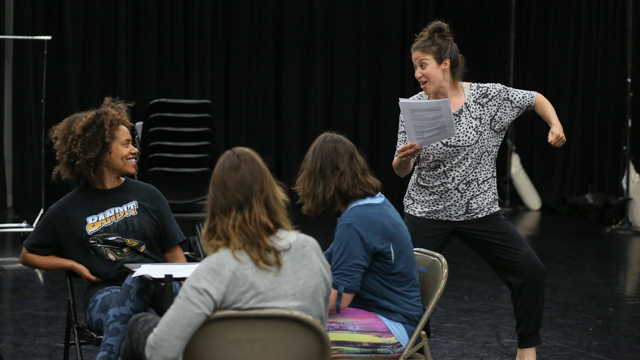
(372, 257)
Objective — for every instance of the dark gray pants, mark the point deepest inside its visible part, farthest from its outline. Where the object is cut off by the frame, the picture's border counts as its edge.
(140, 327)
(498, 242)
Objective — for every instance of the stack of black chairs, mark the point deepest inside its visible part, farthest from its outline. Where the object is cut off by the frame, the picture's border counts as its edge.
(180, 142)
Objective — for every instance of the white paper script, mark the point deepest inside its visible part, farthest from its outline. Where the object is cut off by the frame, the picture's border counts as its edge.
(427, 121)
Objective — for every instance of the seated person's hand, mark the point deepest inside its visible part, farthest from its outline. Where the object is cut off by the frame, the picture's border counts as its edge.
(85, 274)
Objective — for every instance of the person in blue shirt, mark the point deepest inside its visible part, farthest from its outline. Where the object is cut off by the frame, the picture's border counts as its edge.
(375, 298)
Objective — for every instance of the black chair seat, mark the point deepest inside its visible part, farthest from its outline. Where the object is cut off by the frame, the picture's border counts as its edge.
(171, 147)
(174, 134)
(183, 106)
(178, 161)
(177, 121)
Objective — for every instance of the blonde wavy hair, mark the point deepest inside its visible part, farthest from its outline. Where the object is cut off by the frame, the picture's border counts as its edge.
(246, 206)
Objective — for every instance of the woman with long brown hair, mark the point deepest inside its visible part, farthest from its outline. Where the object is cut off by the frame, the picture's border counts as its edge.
(256, 260)
(375, 292)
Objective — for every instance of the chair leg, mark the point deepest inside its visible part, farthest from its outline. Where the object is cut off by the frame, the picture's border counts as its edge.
(78, 344)
(67, 333)
(73, 316)
(67, 337)
(199, 228)
(427, 353)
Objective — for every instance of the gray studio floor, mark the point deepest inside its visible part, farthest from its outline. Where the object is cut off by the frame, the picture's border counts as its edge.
(592, 308)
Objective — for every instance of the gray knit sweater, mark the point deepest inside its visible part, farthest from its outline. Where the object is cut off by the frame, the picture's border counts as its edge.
(222, 282)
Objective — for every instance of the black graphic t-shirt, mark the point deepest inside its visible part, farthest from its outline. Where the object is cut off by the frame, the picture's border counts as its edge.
(105, 229)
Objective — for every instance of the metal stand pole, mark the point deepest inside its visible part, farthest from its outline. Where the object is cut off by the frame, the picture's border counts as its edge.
(506, 203)
(625, 226)
(24, 226)
(42, 133)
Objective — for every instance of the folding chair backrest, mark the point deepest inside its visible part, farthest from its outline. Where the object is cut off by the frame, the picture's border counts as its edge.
(179, 106)
(433, 272)
(180, 186)
(266, 334)
(185, 188)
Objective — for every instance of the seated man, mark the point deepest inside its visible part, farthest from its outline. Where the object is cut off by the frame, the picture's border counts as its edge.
(375, 301)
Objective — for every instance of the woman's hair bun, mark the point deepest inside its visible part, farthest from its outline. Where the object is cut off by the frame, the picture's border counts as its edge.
(436, 30)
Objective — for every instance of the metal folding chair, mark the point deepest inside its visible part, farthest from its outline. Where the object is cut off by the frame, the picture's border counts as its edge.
(266, 334)
(433, 272)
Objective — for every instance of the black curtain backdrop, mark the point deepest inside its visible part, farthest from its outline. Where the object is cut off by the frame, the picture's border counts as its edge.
(282, 72)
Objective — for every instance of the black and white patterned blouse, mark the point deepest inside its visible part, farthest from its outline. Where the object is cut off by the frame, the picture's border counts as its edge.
(455, 179)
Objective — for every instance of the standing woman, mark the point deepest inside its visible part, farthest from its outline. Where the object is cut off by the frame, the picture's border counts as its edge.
(108, 221)
(453, 190)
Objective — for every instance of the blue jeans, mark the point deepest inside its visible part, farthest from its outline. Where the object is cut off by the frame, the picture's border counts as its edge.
(110, 309)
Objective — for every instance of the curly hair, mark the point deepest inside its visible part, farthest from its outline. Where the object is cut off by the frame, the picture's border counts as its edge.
(333, 174)
(246, 206)
(83, 140)
(437, 40)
